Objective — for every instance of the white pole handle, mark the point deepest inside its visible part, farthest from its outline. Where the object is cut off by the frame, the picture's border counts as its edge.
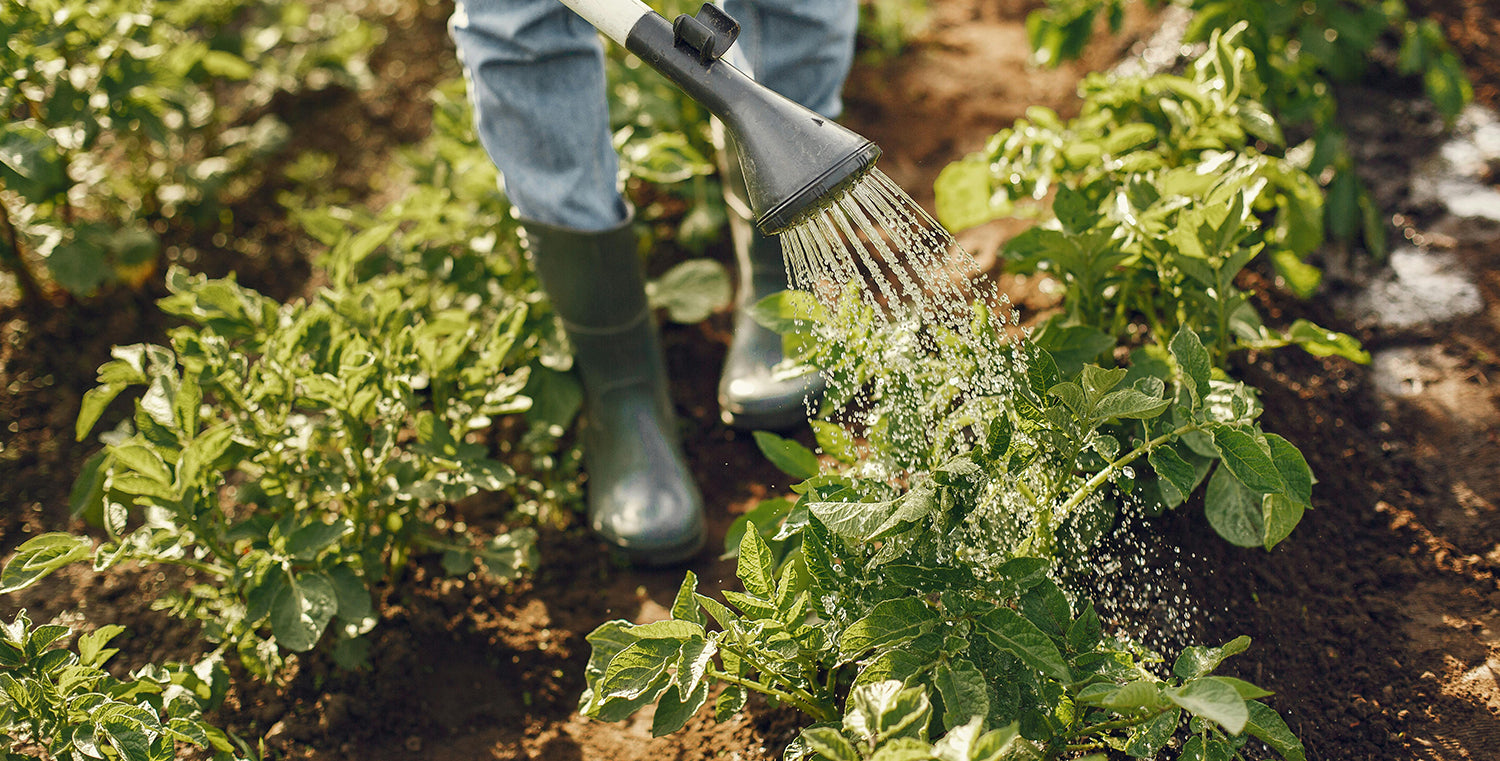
(614, 18)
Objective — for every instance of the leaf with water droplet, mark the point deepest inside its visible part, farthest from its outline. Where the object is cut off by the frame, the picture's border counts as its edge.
(1149, 739)
(1214, 700)
(888, 623)
(962, 686)
(1008, 631)
(1197, 661)
(1129, 403)
(1267, 726)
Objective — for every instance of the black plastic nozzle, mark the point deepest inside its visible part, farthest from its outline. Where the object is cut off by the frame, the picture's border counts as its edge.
(793, 158)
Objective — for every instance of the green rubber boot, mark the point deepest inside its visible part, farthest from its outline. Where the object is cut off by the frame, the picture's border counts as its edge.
(641, 496)
(751, 395)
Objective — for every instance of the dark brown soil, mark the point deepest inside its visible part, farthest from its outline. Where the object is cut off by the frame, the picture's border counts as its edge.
(1375, 622)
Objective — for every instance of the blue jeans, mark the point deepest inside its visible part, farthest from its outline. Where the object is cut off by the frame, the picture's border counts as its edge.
(536, 79)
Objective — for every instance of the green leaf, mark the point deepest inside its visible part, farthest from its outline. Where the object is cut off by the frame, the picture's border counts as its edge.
(130, 741)
(355, 608)
(1007, 630)
(1192, 359)
(1130, 403)
(1084, 633)
(1280, 515)
(302, 609)
(963, 195)
(1301, 277)
(639, 669)
(1214, 700)
(835, 441)
(997, 440)
(685, 604)
(1245, 689)
(757, 567)
(86, 498)
(965, 695)
(691, 291)
(30, 163)
(890, 622)
(305, 543)
(888, 710)
(1172, 468)
(1234, 511)
(555, 398)
(42, 555)
(91, 650)
(1150, 739)
(1267, 726)
(673, 711)
(730, 701)
(226, 65)
(1197, 661)
(787, 311)
(506, 556)
(1248, 460)
(143, 460)
(765, 517)
(864, 521)
(1322, 342)
(790, 457)
(830, 744)
(95, 401)
(904, 749)
(1073, 346)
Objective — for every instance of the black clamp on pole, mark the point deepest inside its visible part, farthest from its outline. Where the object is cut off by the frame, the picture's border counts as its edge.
(709, 34)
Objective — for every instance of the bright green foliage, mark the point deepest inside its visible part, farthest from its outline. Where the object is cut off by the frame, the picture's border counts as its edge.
(292, 453)
(296, 455)
(63, 701)
(924, 560)
(1302, 50)
(1160, 198)
(1038, 466)
(902, 647)
(120, 112)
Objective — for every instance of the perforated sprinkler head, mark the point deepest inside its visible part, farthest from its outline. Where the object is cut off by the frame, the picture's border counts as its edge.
(794, 159)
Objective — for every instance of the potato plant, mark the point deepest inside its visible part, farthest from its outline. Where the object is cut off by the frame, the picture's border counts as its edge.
(61, 700)
(119, 114)
(1303, 51)
(1160, 197)
(925, 555)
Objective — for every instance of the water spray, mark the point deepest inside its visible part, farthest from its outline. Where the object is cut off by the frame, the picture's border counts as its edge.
(794, 159)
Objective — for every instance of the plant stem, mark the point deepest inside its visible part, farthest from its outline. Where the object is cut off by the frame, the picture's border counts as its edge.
(1108, 726)
(1115, 467)
(801, 694)
(807, 705)
(15, 260)
(196, 565)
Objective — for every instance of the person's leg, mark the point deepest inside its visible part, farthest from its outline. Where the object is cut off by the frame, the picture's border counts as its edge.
(536, 81)
(801, 49)
(536, 77)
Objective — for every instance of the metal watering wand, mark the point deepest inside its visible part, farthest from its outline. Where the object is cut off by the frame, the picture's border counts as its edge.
(793, 158)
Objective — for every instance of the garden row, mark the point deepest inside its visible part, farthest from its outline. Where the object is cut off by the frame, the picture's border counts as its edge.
(295, 456)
